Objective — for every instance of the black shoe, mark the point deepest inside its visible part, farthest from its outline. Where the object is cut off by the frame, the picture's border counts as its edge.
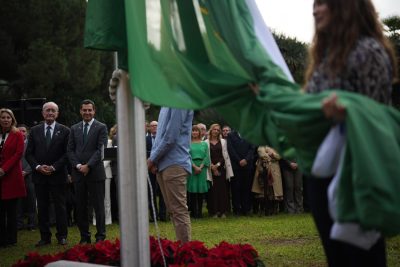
(62, 241)
(85, 241)
(42, 243)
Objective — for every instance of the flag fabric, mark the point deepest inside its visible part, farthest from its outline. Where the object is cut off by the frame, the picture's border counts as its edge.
(199, 54)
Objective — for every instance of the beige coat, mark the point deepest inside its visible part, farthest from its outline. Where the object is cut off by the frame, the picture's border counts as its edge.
(228, 165)
(271, 157)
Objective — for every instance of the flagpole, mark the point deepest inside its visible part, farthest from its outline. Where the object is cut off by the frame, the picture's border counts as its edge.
(132, 173)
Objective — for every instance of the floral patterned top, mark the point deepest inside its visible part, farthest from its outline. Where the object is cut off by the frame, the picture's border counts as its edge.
(368, 71)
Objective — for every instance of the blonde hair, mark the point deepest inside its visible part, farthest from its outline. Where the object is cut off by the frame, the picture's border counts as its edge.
(14, 121)
(211, 128)
(113, 131)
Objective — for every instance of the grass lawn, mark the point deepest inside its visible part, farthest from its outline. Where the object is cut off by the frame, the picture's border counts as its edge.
(282, 240)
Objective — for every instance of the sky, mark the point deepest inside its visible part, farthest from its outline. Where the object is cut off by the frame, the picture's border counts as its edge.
(294, 18)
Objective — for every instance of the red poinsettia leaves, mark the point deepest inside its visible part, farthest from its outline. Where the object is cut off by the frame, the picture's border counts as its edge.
(190, 254)
(189, 251)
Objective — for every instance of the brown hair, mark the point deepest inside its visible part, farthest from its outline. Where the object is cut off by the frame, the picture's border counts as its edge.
(350, 20)
(14, 121)
(196, 128)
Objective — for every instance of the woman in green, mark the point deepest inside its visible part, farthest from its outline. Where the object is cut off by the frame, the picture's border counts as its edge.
(197, 184)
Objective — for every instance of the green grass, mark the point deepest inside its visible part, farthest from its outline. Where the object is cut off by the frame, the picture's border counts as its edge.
(282, 240)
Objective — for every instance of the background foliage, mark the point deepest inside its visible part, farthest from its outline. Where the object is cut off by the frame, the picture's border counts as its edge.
(42, 56)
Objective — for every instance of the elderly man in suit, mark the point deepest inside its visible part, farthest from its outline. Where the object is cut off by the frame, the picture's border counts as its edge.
(86, 152)
(47, 154)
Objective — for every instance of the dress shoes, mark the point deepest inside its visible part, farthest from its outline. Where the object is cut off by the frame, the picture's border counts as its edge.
(62, 241)
(85, 241)
(42, 243)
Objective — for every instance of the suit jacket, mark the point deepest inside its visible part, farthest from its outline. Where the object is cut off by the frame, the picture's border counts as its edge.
(37, 153)
(149, 145)
(90, 153)
(239, 149)
(12, 183)
(25, 164)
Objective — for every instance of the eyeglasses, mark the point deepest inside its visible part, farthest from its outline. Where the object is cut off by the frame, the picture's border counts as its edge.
(50, 110)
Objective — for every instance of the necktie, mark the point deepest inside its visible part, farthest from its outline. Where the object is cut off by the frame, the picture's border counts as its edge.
(48, 135)
(153, 138)
(85, 132)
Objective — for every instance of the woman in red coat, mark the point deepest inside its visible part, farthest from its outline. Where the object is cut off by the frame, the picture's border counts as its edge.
(12, 184)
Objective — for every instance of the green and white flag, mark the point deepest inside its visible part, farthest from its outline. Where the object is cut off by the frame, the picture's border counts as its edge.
(203, 53)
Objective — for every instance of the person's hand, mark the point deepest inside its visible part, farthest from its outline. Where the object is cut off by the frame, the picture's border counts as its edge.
(293, 165)
(84, 169)
(214, 167)
(44, 169)
(216, 173)
(332, 109)
(24, 173)
(151, 166)
(2, 172)
(197, 170)
(254, 88)
(243, 162)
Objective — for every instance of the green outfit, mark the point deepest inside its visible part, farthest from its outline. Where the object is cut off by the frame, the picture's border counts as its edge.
(197, 183)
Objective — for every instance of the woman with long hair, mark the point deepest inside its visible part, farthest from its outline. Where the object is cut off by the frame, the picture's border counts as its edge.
(219, 173)
(349, 52)
(197, 184)
(12, 185)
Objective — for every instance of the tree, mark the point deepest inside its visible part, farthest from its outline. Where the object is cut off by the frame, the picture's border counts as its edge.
(295, 54)
(42, 55)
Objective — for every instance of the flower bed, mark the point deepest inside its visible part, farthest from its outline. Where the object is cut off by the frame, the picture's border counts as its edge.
(190, 254)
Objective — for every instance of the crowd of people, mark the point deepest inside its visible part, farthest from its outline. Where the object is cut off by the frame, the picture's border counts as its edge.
(231, 176)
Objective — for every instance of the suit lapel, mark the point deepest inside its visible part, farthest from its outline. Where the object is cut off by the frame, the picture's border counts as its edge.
(9, 140)
(92, 130)
(80, 134)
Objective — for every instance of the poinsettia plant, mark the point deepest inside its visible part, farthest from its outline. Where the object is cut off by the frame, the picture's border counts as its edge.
(190, 254)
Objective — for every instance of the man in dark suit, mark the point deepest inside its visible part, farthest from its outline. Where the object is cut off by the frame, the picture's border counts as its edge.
(160, 211)
(46, 153)
(86, 152)
(241, 154)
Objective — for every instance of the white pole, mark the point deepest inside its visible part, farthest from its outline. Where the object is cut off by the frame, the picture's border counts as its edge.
(132, 173)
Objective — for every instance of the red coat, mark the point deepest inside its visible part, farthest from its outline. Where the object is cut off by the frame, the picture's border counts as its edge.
(12, 183)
